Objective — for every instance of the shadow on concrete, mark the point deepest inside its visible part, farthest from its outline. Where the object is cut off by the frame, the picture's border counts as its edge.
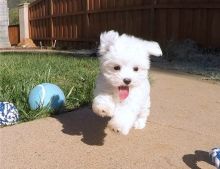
(84, 122)
(191, 159)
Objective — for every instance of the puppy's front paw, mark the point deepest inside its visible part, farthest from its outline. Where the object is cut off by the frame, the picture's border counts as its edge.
(118, 128)
(102, 110)
(139, 123)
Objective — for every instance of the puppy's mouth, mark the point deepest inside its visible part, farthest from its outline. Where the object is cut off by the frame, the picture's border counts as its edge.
(123, 92)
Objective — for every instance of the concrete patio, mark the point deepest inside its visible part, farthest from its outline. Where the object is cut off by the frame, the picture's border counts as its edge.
(182, 128)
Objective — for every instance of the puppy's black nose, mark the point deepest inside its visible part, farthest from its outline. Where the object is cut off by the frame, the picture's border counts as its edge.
(127, 81)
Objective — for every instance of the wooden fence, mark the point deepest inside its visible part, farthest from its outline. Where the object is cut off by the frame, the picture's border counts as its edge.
(78, 23)
(14, 34)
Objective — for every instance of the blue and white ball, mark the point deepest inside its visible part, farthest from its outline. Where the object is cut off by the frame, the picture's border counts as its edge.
(46, 95)
(215, 155)
(8, 114)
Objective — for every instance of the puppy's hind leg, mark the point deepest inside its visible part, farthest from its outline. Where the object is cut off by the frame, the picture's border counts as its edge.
(103, 105)
(122, 121)
(141, 120)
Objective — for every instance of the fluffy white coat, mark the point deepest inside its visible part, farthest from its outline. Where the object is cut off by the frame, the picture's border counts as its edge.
(124, 64)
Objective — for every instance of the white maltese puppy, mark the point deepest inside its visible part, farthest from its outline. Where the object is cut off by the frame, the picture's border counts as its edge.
(122, 88)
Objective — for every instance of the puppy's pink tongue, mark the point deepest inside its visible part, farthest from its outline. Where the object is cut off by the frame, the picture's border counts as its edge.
(123, 92)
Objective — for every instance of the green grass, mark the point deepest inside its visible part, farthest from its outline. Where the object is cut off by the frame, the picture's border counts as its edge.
(20, 72)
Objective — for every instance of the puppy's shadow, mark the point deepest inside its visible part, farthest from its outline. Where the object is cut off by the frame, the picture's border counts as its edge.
(191, 159)
(86, 123)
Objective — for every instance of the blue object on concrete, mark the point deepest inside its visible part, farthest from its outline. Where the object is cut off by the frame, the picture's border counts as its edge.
(8, 113)
(46, 95)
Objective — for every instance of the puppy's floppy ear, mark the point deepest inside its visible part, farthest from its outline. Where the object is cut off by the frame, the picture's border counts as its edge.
(153, 48)
(107, 39)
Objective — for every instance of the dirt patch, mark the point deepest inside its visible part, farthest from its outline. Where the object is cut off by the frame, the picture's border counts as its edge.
(188, 56)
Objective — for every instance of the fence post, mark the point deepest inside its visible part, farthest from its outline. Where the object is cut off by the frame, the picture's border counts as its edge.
(4, 39)
(23, 21)
(87, 18)
(51, 23)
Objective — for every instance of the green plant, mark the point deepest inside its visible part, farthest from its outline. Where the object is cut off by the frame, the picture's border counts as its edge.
(13, 16)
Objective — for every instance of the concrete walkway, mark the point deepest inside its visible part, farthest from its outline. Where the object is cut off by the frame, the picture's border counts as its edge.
(183, 126)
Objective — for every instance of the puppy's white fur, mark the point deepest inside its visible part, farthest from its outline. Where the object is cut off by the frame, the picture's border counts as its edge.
(127, 52)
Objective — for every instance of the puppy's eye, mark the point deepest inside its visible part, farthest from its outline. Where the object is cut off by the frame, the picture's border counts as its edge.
(135, 69)
(117, 67)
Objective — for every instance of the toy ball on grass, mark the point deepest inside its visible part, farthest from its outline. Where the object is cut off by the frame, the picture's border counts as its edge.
(8, 114)
(46, 95)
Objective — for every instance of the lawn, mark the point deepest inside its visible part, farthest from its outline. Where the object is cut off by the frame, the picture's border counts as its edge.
(20, 72)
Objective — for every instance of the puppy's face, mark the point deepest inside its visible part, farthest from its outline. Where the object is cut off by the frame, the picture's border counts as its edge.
(125, 71)
(125, 61)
